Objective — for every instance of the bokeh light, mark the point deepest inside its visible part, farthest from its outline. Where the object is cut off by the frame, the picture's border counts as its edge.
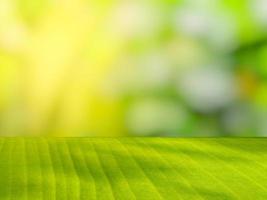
(125, 68)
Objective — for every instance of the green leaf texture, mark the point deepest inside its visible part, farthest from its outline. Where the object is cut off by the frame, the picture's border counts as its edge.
(133, 168)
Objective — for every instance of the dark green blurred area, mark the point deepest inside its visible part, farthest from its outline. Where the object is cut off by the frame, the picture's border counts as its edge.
(146, 68)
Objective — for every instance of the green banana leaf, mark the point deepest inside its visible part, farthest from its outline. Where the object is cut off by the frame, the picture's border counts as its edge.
(133, 168)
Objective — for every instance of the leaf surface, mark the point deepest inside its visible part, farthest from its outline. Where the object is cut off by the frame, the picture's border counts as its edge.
(133, 168)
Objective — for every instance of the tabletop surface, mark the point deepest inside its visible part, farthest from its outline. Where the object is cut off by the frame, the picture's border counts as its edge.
(133, 168)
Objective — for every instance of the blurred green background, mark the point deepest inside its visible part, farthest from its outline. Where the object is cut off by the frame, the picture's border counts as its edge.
(133, 67)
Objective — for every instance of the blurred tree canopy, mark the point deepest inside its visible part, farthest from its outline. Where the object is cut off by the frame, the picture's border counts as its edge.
(112, 68)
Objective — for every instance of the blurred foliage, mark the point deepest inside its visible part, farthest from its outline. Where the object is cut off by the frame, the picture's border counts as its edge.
(112, 68)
